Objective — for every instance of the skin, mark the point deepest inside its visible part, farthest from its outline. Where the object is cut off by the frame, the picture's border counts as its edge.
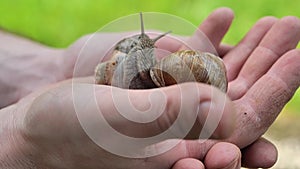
(34, 143)
(262, 59)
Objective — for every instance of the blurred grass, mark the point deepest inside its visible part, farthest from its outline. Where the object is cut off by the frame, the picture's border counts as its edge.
(60, 22)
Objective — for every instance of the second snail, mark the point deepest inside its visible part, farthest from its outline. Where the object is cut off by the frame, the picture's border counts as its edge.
(133, 65)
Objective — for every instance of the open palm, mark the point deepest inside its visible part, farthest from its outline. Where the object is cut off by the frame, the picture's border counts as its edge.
(263, 70)
(263, 73)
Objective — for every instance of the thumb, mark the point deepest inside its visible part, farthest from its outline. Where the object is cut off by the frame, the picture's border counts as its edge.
(164, 113)
(175, 109)
(136, 118)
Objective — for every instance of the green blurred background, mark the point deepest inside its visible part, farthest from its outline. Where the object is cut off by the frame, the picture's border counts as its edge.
(58, 23)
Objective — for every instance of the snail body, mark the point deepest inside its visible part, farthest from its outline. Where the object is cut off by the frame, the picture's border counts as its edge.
(128, 67)
(133, 66)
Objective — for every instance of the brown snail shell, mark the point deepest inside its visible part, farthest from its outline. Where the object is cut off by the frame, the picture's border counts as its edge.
(188, 66)
(104, 71)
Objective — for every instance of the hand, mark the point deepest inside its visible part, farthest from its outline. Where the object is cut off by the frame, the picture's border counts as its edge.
(207, 160)
(22, 146)
(26, 66)
(263, 75)
(253, 121)
(45, 132)
(215, 27)
(220, 48)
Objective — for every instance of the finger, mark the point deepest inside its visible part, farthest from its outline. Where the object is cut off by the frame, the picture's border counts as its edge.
(223, 155)
(260, 154)
(170, 43)
(236, 58)
(188, 163)
(217, 24)
(224, 49)
(184, 149)
(276, 88)
(265, 99)
(283, 36)
(175, 109)
(210, 33)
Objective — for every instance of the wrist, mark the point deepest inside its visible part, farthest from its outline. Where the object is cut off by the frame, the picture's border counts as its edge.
(23, 74)
(25, 65)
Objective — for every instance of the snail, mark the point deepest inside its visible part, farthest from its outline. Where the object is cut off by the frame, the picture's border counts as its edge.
(133, 66)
